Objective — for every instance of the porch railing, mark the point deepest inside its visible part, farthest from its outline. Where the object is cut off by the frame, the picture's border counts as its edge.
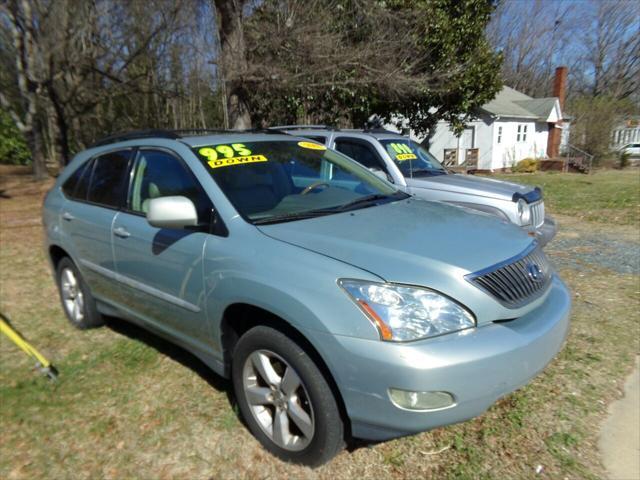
(577, 158)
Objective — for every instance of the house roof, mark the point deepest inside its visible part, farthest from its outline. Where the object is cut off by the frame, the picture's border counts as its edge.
(512, 103)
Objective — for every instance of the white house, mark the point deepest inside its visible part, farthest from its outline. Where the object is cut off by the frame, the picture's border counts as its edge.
(509, 128)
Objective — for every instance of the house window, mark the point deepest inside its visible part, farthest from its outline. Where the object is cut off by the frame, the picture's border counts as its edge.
(499, 134)
(521, 136)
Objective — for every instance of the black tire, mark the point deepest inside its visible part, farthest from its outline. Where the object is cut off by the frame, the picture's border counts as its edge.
(90, 317)
(328, 435)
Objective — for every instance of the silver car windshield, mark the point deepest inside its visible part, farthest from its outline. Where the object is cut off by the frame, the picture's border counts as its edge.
(412, 159)
(277, 181)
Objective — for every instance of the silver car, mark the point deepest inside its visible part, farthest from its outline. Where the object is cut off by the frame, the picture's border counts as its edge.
(414, 170)
(338, 305)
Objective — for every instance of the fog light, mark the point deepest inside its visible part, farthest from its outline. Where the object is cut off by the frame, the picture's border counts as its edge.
(420, 400)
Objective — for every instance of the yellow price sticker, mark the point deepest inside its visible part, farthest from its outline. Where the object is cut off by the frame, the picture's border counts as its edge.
(227, 151)
(311, 146)
(406, 156)
(227, 162)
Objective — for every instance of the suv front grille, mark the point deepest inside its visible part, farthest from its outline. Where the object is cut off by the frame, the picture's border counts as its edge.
(537, 213)
(517, 281)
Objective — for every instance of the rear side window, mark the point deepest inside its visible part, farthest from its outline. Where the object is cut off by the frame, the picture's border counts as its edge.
(361, 152)
(79, 177)
(108, 180)
(319, 138)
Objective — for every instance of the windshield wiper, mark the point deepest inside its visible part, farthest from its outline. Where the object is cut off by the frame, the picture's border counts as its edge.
(359, 202)
(427, 172)
(369, 199)
(292, 216)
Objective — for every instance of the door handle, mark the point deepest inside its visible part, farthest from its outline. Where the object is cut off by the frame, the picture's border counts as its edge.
(67, 216)
(121, 232)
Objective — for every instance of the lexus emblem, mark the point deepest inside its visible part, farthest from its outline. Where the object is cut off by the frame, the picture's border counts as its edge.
(534, 272)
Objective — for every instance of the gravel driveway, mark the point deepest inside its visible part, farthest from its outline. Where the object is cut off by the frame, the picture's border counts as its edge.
(587, 247)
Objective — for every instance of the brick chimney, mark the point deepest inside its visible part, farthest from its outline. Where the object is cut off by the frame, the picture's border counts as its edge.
(560, 85)
(559, 90)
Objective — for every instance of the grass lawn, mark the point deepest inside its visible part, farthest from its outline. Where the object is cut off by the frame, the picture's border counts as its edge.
(609, 196)
(129, 405)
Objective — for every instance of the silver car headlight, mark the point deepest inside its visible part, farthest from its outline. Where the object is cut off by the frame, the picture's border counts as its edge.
(524, 212)
(402, 313)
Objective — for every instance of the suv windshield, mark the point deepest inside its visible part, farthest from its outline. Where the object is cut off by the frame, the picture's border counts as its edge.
(275, 181)
(412, 159)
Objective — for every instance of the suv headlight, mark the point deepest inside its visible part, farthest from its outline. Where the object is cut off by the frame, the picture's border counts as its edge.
(402, 313)
(524, 212)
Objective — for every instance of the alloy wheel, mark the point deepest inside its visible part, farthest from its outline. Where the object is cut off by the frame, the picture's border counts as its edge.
(72, 296)
(278, 400)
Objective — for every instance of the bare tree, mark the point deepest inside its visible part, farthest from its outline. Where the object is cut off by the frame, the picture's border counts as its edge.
(77, 70)
(28, 69)
(598, 40)
(534, 38)
(612, 49)
(233, 60)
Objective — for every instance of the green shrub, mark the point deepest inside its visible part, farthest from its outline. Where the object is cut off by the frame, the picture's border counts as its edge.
(623, 159)
(13, 148)
(526, 165)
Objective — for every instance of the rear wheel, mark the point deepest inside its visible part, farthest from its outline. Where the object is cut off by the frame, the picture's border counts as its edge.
(77, 302)
(284, 398)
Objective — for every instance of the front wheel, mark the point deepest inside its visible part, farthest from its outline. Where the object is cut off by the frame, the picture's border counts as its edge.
(284, 398)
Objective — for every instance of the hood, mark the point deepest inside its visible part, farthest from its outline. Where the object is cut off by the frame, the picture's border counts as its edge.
(410, 241)
(470, 185)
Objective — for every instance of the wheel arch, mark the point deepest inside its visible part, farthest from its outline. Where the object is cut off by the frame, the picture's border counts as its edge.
(238, 318)
(57, 253)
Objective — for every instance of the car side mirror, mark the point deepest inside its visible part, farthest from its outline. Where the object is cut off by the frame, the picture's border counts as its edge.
(379, 173)
(172, 212)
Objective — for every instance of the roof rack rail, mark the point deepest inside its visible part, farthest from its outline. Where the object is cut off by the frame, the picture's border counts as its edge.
(175, 134)
(378, 130)
(302, 127)
(186, 132)
(134, 135)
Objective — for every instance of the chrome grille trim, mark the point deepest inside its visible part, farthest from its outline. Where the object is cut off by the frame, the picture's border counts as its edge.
(537, 213)
(513, 282)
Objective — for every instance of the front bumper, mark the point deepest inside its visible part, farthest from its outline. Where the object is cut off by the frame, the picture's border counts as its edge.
(477, 367)
(545, 233)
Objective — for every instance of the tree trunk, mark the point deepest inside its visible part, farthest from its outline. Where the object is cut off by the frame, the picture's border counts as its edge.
(34, 141)
(239, 117)
(233, 60)
(21, 25)
(60, 131)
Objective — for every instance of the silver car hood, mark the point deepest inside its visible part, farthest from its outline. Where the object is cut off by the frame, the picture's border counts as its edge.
(410, 241)
(470, 185)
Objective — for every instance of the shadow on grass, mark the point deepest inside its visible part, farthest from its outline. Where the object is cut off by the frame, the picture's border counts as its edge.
(193, 363)
(173, 351)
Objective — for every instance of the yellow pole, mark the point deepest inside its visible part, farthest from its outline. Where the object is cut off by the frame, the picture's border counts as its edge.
(42, 363)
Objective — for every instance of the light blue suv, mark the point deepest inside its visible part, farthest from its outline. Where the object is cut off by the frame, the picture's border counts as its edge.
(339, 306)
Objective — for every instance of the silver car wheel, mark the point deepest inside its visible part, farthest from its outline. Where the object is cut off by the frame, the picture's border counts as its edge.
(72, 296)
(278, 400)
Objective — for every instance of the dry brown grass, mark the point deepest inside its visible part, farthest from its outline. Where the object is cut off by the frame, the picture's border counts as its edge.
(129, 405)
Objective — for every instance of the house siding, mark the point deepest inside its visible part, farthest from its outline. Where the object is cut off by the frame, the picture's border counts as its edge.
(444, 138)
(511, 150)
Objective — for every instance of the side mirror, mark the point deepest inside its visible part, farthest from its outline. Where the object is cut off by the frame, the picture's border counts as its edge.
(172, 212)
(383, 175)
